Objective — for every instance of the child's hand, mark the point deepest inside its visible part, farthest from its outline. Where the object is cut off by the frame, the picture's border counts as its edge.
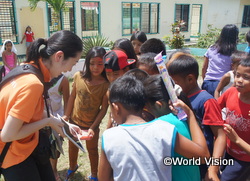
(91, 133)
(230, 132)
(75, 130)
(180, 104)
(56, 124)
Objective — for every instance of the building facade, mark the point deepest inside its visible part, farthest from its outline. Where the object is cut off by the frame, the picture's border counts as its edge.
(120, 18)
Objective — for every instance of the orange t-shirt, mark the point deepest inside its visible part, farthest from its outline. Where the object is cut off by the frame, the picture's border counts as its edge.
(22, 98)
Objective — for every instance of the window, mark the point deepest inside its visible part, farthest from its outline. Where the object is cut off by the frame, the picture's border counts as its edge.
(140, 17)
(7, 21)
(182, 13)
(90, 18)
(246, 17)
(67, 19)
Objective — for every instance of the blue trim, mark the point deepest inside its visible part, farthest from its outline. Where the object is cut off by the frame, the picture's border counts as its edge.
(128, 125)
(173, 141)
(102, 143)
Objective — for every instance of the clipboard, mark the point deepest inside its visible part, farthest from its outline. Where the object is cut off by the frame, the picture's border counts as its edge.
(66, 130)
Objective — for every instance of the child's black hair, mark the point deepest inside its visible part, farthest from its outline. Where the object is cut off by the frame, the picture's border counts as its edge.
(139, 35)
(128, 91)
(92, 53)
(148, 59)
(66, 41)
(154, 45)
(138, 74)
(155, 89)
(245, 62)
(125, 45)
(248, 37)
(227, 41)
(184, 65)
(238, 55)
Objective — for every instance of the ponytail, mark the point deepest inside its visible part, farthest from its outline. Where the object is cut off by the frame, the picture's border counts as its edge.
(35, 53)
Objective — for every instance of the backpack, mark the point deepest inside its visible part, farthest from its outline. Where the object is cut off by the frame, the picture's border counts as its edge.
(20, 70)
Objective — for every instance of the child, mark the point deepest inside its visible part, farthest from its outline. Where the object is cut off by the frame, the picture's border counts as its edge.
(87, 106)
(217, 58)
(184, 70)
(228, 79)
(29, 37)
(116, 65)
(146, 62)
(125, 45)
(237, 102)
(9, 55)
(137, 39)
(154, 45)
(158, 104)
(248, 41)
(142, 145)
(58, 91)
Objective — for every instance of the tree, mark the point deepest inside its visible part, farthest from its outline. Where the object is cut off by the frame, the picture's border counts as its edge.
(57, 5)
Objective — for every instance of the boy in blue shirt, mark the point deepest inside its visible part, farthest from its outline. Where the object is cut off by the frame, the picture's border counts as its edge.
(184, 70)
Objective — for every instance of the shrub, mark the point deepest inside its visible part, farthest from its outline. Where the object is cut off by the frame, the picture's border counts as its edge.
(207, 39)
(97, 40)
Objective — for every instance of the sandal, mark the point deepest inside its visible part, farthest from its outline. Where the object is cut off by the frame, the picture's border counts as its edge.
(70, 173)
(93, 178)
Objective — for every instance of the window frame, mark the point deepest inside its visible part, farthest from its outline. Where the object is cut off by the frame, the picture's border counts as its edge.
(248, 15)
(131, 13)
(188, 23)
(49, 17)
(13, 24)
(98, 19)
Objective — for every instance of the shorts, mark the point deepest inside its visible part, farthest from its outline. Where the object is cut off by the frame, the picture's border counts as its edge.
(28, 44)
(210, 86)
(239, 171)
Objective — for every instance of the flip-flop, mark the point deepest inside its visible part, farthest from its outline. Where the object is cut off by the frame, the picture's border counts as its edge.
(93, 178)
(70, 173)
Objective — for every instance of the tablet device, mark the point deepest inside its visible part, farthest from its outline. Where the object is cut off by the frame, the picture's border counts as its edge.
(66, 130)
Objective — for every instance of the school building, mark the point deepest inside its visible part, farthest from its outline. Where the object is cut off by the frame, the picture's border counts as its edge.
(119, 18)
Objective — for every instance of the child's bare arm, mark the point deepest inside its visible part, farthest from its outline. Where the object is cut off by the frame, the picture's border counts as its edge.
(234, 137)
(204, 67)
(4, 60)
(223, 82)
(22, 39)
(105, 172)
(101, 113)
(219, 148)
(70, 103)
(64, 89)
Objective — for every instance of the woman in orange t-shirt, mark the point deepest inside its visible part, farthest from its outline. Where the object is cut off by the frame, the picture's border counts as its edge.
(22, 107)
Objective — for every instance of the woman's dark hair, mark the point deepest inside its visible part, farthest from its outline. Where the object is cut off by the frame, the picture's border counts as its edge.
(227, 41)
(126, 45)
(154, 45)
(139, 35)
(128, 91)
(66, 41)
(92, 53)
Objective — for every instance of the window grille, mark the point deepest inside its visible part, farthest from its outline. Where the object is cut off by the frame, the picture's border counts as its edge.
(7, 21)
